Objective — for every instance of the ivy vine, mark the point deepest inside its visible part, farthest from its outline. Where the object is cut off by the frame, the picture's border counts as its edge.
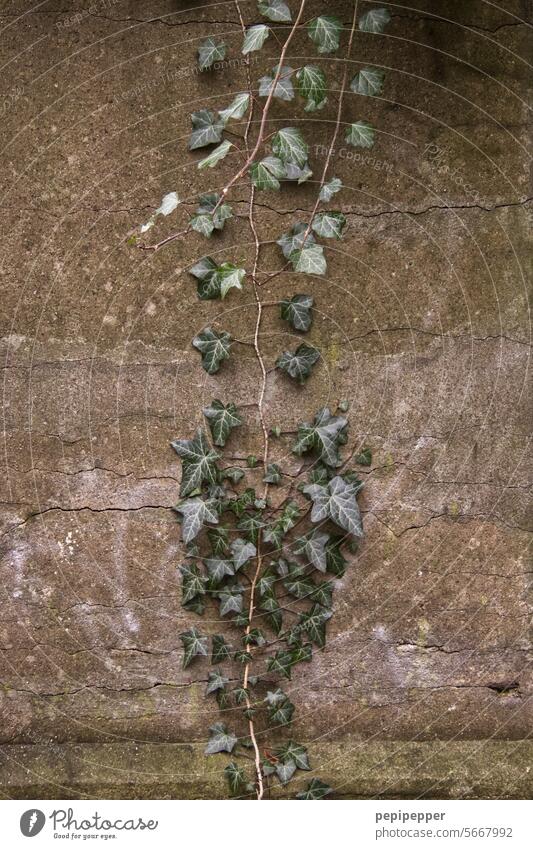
(269, 570)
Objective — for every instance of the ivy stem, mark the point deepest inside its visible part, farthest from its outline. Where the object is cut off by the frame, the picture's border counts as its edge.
(266, 109)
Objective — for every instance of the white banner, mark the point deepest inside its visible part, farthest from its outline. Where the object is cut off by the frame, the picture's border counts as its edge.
(227, 824)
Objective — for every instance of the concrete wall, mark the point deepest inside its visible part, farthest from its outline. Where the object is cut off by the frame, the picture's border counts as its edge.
(424, 324)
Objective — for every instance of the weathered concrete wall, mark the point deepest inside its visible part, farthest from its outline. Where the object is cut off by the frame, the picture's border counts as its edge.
(425, 686)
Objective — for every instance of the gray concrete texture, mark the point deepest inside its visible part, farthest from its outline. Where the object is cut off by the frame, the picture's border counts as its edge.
(423, 322)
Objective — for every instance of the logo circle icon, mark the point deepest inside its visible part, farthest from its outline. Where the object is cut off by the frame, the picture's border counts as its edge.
(32, 822)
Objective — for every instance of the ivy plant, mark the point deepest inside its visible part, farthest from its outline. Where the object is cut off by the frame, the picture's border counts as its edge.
(264, 563)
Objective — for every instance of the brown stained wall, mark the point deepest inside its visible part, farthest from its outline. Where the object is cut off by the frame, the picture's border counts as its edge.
(425, 685)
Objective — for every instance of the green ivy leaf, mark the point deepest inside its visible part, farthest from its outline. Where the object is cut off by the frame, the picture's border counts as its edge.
(312, 86)
(313, 548)
(325, 32)
(298, 583)
(270, 605)
(298, 365)
(234, 474)
(283, 90)
(242, 552)
(211, 202)
(369, 81)
(216, 681)
(285, 771)
(194, 645)
(273, 474)
(297, 311)
(237, 108)
(214, 347)
(251, 524)
(218, 540)
(329, 189)
(267, 173)
(281, 663)
(314, 624)
(294, 172)
(222, 419)
(266, 581)
(195, 513)
(220, 739)
(294, 241)
(310, 260)
(193, 582)
(198, 462)
(255, 37)
(236, 778)
(364, 458)
(209, 52)
(202, 224)
(294, 752)
(275, 10)
(324, 435)
(289, 145)
(206, 129)
(335, 562)
(329, 225)
(315, 790)
(280, 708)
(230, 599)
(217, 569)
(360, 134)
(323, 594)
(213, 158)
(221, 651)
(374, 21)
(336, 501)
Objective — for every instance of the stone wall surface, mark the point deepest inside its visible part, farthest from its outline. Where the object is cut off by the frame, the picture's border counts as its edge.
(425, 686)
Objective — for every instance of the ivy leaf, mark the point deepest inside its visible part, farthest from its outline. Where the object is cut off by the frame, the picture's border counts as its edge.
(210, 52)
(323, 593)
(310, 260)
(237, 108)
(266, 582)
(218, 568)
(220, 739)
(329, 225)
(169, 202)
(329, 189)
(236, 778)
(275, 10)
(364, 458)
(214, 347)
(313, 547)
(222, 419)
(294, 752)
(206, 129)
(274, 617)
(294, 241)
(298, 583)
(234, 474)
(251, 524)
(289, 145)
(312, 86)
(335, 562)
(209, 203)
(297, 311)
(284, 89)
(360, 134)
(281, 663)
(193, 582)
(336, 501)
(374, 21)
(216, 681)
(213, 158)
(254, 38)
(325, 32)
(315, 790)
(267, 173)
(202, 224)
(194, 645)
(294, 172)
(281, 711)
(218, 540)
(273, 474)
(324, 435)
(230, 599)
(196, 513)
(220, 651)
(298, 365)
(242, 552)
(314, 624)
(369, 81)
(198, 462)
(285, 771)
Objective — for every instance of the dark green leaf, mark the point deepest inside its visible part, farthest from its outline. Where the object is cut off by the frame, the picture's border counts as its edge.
(207, 129)
(273, 474)
(230, 599)
(220, 739)
(364, 458)
(193, 645)
(312, 86)
(369, 81)
(209, 52)
(289, 145)
(219, 541)
(336, 501)
(297, 311)
(242, 552)
(329, 225)
(198, 462)
(193, 582)
(294, 241)
(275, 10)
(254, 38)
(299, 364)
(195, 513)
(214, 347)
(324, 436)
(314, 624)
(221, 651)
(292, 751)
(222, 419)
(326, 31)
(283, 89)
(375, 20)
(360, 134)
(313, 548)
(216, 681)
(236, 778)
(310, 260)
(316, 789)
(329, 189)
